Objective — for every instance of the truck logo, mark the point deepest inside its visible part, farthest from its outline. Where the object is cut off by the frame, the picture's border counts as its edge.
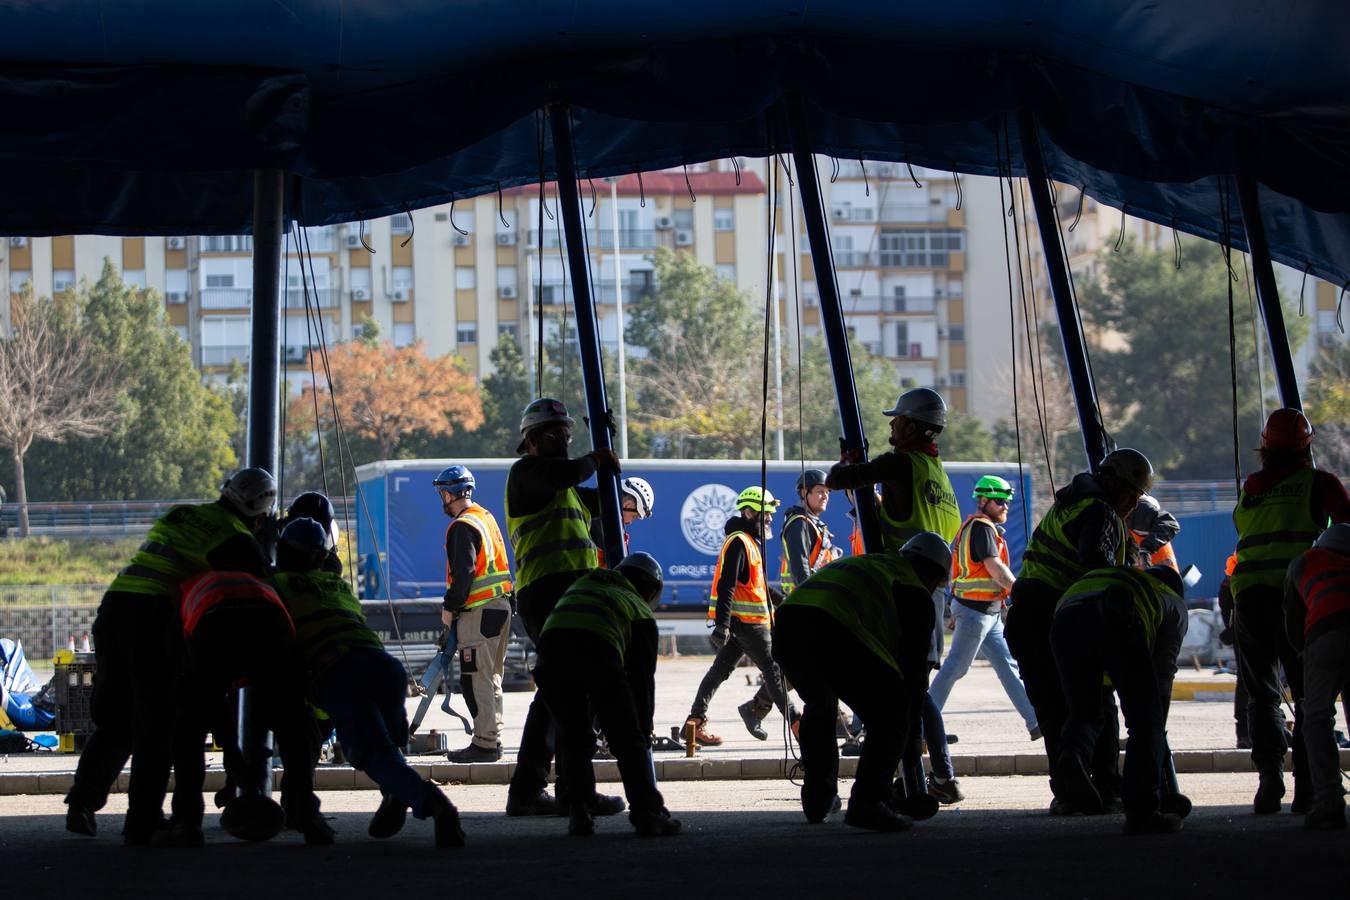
(704, 515)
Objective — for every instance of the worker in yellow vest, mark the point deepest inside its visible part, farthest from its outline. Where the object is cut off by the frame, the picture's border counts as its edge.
(548, 517)
(875, 615)
(1084, 530)
(1282, 509)
(134, 618)
(740, 609)
(597, 661)
(477, 605)
(1126, 624)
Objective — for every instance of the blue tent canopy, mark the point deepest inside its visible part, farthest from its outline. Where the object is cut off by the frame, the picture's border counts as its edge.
(149, 116)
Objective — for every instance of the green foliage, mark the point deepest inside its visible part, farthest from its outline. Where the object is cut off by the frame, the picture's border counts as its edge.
(965, 439)
(1165, 383)
(173, 436)
(44, 560)
(1327, 403)
(818, 435)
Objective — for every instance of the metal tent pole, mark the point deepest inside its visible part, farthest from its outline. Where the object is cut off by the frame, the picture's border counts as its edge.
(1075, 350)
(832, 318)
(1267, 292)
(588, 330)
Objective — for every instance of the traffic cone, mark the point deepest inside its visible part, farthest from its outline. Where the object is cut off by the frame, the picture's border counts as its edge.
(70, 643)
(84, 643)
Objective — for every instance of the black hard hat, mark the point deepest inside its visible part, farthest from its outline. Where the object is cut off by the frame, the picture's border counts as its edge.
(810, 478)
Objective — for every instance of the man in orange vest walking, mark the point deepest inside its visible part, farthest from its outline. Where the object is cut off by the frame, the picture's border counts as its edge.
(478, 606)
(740, 607)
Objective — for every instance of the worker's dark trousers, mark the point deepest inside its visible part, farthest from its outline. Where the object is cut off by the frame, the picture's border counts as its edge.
(849, 671)
(580, 674)
(750, 640)
(1030, 613)
(253, 645)
(1263, 647)
(533, 604)
(132, 712)
(1105, 635)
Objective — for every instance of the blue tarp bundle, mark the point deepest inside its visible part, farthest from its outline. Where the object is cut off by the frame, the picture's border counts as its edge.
(149, 116)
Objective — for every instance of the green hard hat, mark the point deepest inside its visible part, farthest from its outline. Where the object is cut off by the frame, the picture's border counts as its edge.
(753, 498)
(993, 488)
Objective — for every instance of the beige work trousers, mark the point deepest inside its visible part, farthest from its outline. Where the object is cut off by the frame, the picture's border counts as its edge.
(483, 633)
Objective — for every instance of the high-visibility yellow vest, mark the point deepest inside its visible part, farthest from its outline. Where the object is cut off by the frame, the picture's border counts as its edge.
(602, 602)
(970, 577)
(1273, 527)
(555, 539)
(491, 571)
(749, 599)
(177, 548)
(859, 593)
(1050, 558)
(327, 616)
(932, 507)
(813, 556)
(1148, 595)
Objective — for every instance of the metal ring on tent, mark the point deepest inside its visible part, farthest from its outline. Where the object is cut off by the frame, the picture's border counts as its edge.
(689, 187)
(412, 226)
(1078, 214)
(457, 229)
(913, 177)
(1303, 284)
(736, 165)
(1120, 238)
(1176, 242)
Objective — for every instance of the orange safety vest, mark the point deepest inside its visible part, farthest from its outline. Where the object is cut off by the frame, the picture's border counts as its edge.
(970, 577)
(812, 556)
(750, 599)
(212, 589)
(855, 541)
(491, 571)
(1165, 556)
(1324, 586)
(600, 551)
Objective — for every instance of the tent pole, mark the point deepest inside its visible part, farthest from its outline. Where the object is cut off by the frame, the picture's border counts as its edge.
(1075, 350)
(832, 319)
(588, 330)
(1267, 292)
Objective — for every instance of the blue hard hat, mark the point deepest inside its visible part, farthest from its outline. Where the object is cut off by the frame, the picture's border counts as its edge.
(303, 541)
(455, 479)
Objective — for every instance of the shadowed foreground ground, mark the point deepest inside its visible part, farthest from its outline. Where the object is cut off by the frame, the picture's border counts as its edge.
(742, 839)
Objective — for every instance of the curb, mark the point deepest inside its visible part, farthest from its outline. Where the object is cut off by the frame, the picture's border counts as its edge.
(344, 778)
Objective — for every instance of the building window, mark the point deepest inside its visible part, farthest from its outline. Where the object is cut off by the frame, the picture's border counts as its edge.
(920, 249)
(19, 279)
(404, 333)
(466, 278)
(400, 224)
(727, 271)
(508, 330)
(466, 333)
(401, 278)
(958, 378)
(724, 219)
(956, 333)
(220, 281)
(683, 219)
(134, 278)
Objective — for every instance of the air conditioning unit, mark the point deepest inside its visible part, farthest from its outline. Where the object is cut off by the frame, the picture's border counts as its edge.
(296, 354)
(18, 242)
(353, 241)
(506, 239)
(358, 294)
(664, 223)
(507, 292)
(176, 243)
(400, 295)
(839, 212)
(684, 237)
(461, 240)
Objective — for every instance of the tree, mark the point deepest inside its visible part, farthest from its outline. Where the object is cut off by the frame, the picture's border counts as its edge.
(818, 406)
(1162, 368)
(1328, 407)
(171, 433)
(388, 394)
(56, 384)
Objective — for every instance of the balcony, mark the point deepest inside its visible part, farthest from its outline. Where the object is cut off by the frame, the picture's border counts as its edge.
(853, 214)
(226, 243)
(323, 298)
(632, 239)
(923, 212)
(873, 303)
(226, 297)
(224, 354)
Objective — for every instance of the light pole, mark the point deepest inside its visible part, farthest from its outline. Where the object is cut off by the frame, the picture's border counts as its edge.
(618, 315)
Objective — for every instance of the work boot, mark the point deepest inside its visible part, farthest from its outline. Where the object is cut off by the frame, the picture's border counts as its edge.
(253, 818)
(654, 823)
(875, 816)
(1035, 732)
(817, 812)
(475, 754)
(1269, 792)
(945, 790)
(541, 804)
(446, 819)
(80, 819)
(753, 723)
(1303, 797)
(181, 834)
(1326, 816)
(1176, 804)
(137, 835)
(598, 805)
(702, 736)
(316, 831)
(1153, 822)
(388, 819)
(580, 822)
(1071, 783)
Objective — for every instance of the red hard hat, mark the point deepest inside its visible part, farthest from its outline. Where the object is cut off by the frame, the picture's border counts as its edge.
(1286, 429)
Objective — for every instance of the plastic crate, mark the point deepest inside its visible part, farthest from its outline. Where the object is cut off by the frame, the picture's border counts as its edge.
(74, 699)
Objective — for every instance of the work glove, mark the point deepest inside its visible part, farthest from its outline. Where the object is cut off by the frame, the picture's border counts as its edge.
(719, 637)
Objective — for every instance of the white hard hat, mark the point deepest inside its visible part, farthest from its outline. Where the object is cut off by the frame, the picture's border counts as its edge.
(1336, 538)
(252, 491)
(642, 495)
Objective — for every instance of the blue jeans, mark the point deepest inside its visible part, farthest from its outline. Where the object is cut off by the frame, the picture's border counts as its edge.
(973, 631)
(363, 692)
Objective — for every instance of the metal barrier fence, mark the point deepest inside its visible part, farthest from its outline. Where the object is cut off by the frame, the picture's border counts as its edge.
(103, 518)
(46, 618)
